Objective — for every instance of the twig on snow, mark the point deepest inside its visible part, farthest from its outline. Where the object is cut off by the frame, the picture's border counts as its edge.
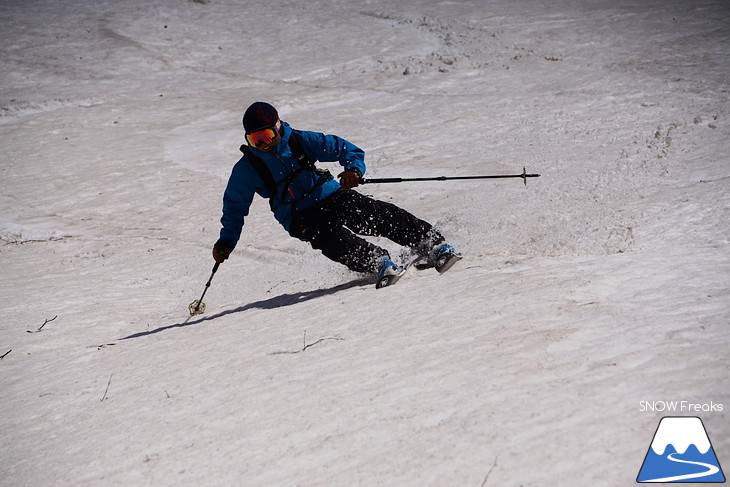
(107, 387)
(6, 354)
(486, 478)
(283, 282)
(306, 346)
(317, 342)
(44, 324)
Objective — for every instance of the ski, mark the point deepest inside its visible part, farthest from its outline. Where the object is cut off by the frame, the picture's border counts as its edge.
(445, 261)
(442, 264)
(390, 279)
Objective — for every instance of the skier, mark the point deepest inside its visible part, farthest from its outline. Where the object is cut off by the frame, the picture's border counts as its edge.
(278, 164)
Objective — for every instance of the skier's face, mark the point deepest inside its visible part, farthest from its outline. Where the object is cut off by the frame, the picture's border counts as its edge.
(266, 139)
(270, 146)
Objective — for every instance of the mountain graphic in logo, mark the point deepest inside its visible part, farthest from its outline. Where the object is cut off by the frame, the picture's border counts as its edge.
(681, 452)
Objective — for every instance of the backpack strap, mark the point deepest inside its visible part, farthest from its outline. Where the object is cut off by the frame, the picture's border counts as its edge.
(295, 144)
(263, 173)
(296, 147)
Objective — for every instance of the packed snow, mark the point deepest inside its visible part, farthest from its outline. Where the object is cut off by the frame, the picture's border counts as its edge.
(601, 284)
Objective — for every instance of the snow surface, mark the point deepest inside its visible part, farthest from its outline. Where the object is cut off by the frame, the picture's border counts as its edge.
(603, 283)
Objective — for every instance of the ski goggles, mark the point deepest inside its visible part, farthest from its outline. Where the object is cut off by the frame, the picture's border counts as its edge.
(263, 136)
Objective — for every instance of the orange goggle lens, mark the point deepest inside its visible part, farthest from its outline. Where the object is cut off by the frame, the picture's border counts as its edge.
(263, 137)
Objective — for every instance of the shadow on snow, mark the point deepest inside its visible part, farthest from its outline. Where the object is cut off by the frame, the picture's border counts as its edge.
(272, 303)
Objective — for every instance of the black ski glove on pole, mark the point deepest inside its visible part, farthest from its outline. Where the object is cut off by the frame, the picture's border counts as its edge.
(350, 179)
(221, 251)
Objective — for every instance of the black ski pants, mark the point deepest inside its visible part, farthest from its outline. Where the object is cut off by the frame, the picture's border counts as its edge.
(334, 227)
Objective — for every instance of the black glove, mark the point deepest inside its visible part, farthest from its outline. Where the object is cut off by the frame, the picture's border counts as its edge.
(350, 179)
(221, 251)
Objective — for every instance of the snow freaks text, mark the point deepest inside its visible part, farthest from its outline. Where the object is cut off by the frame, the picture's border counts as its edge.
(680, 407)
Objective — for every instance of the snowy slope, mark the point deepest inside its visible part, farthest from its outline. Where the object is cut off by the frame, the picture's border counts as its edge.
(603, 283)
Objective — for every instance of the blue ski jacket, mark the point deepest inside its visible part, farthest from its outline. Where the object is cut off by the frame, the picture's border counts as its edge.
(302, 192)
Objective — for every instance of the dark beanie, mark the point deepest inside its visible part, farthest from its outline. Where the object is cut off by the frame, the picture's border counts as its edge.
(259, 116)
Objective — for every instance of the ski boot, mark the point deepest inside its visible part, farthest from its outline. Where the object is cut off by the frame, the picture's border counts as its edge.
(443, 257)
(388, 273)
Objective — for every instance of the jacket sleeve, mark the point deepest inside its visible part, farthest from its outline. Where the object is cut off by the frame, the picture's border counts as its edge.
(331, 148)
(237, 200)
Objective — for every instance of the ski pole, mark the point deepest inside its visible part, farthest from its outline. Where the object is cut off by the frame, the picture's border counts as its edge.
(197, 307)
(524, 177)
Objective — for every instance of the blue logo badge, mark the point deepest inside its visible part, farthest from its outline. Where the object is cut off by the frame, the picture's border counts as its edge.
(681, 452)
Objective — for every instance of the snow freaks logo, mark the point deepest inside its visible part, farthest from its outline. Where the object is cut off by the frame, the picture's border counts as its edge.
(680, 452)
